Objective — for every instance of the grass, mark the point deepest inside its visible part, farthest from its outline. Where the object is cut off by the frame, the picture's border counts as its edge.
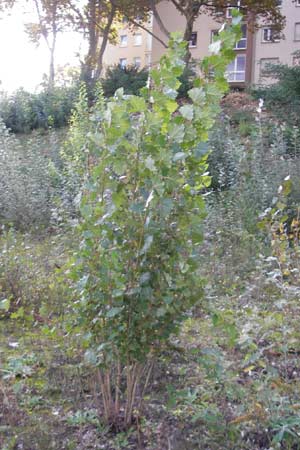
(230, 381)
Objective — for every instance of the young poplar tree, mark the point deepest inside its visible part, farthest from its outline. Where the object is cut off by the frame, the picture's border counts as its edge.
(141, 225)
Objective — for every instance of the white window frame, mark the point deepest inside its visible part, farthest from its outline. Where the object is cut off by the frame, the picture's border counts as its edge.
(190, 44)
(123, 40)
(135, 61)
(235, 71)
(122, 63)
(213, 33)
(296, 23)
(269, 32)
(139, 42)
(296, 61)
(243, 39)
(228, 12)
(230, 8)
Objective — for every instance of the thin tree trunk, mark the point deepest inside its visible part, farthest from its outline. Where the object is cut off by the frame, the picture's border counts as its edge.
(51, 69)
(90, 60)
(190, 15)
(104, 42)
(52, 53)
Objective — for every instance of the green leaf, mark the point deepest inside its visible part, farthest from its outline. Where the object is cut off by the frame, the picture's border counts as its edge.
(176, 132)
(19, 314)
(147, 245)
(5, 304)
(179, 156)
(113, 312)
(150, 164)
(187, 111)
(90, 357)
(197, 95)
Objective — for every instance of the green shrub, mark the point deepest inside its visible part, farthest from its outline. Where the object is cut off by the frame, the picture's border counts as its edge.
(130, 78)
(283, 97)
(29, 282)
(23, 112)
(27, 192)
(187, 80)
(142, 211)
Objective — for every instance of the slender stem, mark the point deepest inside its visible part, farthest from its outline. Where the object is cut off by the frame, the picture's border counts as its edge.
(104, 396)
(118, 389)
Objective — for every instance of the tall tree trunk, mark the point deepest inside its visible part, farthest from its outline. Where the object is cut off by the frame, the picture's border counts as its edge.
(105, 37)
(191, 13)
(90, 60)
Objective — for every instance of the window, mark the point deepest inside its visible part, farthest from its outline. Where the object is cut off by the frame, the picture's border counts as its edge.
(193, 40)
(229, 13)
(270, 35)
(264, 63)
(230, 8)
(148, 59)
(237, 69)
(297, 32)
(138, 40)
(279, 3)
(297, 2)
(213, 34)
(137, 62)
(123, 62)
(242, 44)
(296, 60)
(123, 40)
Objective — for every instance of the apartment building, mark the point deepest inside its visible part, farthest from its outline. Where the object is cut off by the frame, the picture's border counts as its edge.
(253, 52)
(134, 46)
(269, 48)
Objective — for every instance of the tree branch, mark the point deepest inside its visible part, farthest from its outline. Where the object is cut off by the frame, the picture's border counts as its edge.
(139, 25)
(178, 6)
(158, 19)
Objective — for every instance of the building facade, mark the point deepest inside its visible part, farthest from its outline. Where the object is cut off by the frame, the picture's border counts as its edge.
(254, 51)
(269, 48)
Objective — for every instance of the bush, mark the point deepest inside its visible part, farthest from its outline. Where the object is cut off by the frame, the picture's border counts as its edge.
(27, 193)
(29, 282)
(23, 112)
(187, 80)
(130, 78)
(283, 97)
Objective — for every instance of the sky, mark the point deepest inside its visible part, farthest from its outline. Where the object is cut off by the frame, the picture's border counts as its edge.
(22, 64)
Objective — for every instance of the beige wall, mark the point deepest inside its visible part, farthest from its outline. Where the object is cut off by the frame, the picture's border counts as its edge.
(114, 53)
(151, 49)
(283, 49)
(174, 21)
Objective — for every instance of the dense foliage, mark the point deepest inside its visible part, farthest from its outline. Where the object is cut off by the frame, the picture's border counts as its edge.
(142, 213)
(23, 111)
(118, 289)
(130, 78)
(284, 93)
(27, 188)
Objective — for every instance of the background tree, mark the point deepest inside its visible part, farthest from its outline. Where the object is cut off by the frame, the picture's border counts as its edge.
(52, 18)
(97, 20)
